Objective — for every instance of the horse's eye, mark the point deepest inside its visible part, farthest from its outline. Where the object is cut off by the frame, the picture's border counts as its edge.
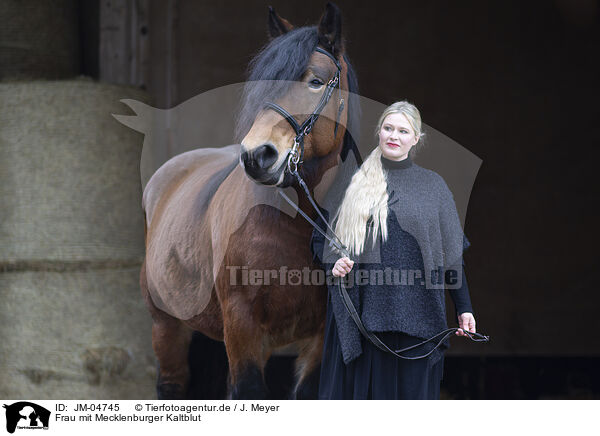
(315, 83)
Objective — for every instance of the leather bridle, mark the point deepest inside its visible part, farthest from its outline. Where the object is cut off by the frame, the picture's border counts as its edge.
(294, 159)
(297, 153)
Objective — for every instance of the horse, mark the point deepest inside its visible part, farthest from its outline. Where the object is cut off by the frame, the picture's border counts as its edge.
(210, 218)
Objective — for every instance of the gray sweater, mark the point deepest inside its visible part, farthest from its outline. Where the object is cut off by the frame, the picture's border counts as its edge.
(399, 285)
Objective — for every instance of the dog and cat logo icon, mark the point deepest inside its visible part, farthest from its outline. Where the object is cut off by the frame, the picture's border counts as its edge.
(26, 415)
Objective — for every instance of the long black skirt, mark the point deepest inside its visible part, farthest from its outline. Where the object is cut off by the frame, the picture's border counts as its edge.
(375, 374)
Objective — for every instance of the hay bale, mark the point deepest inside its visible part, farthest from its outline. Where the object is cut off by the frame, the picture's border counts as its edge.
(75, 335)
(69, 174)
(71, 243)
(39, 39)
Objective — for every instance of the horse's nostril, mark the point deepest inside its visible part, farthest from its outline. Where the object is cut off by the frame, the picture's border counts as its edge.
(265, 156)
(244, 157)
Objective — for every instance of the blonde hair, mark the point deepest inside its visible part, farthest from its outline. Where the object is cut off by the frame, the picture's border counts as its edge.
(366, 196)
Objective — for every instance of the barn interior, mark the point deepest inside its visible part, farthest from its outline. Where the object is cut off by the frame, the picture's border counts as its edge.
(515, 83)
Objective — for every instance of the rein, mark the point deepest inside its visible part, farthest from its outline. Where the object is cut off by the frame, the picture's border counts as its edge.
(295, 158)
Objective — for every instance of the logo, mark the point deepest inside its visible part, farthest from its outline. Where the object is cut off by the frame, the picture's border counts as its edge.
(26, 415)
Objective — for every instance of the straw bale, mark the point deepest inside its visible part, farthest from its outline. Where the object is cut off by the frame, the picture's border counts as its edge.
(69, 173)
(75, 335)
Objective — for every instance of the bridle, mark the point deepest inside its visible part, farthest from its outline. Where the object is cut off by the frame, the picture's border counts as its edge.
(294, 159)
(297, 153)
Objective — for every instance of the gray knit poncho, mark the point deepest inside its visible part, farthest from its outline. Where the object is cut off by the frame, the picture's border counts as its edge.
(399, 285)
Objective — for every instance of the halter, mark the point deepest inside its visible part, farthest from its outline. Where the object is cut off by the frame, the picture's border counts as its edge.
(297, 153)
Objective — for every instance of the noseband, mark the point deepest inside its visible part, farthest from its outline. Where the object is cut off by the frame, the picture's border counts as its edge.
(297, 153)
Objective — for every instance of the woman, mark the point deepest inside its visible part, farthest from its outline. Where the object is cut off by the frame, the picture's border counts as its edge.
(408, 214)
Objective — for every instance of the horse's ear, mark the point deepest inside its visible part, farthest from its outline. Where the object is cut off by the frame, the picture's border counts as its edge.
(330, 30)
(277, 25)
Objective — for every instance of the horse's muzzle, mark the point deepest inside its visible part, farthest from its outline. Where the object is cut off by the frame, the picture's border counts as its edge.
(258, 164)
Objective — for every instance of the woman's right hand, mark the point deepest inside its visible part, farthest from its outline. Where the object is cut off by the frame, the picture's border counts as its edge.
(342, 267)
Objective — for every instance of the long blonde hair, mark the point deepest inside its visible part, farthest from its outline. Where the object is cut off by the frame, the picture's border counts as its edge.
(366, 197)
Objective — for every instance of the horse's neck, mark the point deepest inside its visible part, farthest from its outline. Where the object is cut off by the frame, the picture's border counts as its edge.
(246, 195)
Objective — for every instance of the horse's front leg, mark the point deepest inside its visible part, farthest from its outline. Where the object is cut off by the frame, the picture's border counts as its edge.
(171, 342)
(247, 354)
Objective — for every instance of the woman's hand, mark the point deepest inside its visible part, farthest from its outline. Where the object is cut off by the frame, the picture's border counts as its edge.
(466, 321)
(342, 267)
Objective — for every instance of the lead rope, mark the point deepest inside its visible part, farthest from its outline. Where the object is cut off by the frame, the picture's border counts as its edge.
(339, 246)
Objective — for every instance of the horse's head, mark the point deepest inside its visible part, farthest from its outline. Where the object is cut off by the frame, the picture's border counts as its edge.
(301, 73)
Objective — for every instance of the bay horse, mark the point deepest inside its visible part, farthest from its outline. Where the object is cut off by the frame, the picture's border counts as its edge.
(210, 218)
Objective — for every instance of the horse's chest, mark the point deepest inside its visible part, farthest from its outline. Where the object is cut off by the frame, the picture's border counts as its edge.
(272, 244)
(272, 269)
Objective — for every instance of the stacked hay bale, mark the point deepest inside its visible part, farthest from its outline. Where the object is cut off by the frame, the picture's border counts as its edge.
(71, 233)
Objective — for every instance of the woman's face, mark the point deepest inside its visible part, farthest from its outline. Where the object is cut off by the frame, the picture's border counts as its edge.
(396, 137)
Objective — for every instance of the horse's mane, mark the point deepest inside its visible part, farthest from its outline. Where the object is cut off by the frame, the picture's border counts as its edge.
(354, 112)
(282, 60)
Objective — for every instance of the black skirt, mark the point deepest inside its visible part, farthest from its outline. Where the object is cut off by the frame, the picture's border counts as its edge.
(375, 374)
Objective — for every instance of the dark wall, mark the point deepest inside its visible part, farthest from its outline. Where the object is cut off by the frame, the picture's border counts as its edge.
(513, 82)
